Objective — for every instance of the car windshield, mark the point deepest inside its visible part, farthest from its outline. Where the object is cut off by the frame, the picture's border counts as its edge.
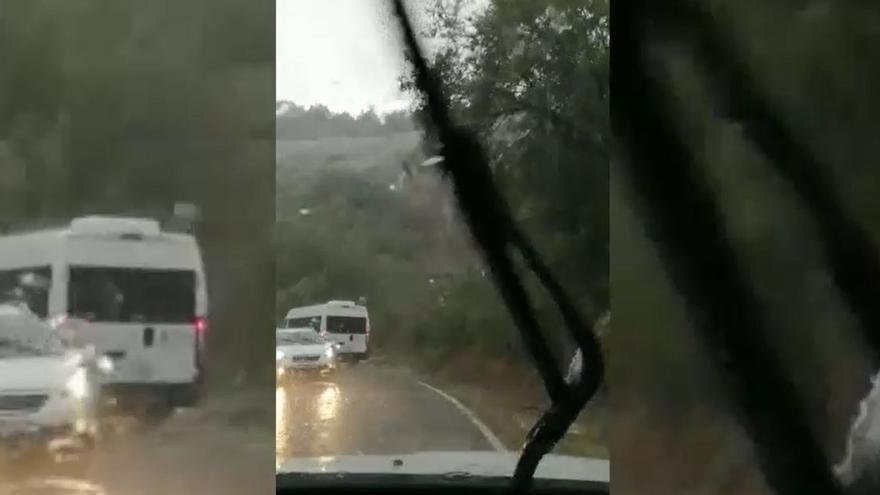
(29, 286)
(366, 216)
(23, 334)
(180, 180)
(298, 338)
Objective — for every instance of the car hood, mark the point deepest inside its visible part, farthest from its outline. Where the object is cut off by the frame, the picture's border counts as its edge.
(481, 464)
(302, 350)
(36, 372)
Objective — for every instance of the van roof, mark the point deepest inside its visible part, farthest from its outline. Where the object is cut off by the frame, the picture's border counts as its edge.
(106, 225)
(329, 305)
(102, 226)
(89, 240)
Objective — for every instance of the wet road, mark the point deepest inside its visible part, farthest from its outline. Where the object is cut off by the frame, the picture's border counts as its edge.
(365, 409)
(208, 450)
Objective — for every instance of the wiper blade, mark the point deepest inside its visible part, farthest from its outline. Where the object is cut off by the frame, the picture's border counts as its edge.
(684, 222)
(851, 254)
(493, 229)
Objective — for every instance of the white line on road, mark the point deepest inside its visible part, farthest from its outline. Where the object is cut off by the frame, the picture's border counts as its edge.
(490, 437)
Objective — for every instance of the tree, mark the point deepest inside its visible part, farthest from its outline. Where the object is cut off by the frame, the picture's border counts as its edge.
(531, 79)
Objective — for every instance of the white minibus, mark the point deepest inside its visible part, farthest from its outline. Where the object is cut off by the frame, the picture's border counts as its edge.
(135, 292)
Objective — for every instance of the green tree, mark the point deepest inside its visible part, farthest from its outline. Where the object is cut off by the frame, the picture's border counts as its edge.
(531, 80)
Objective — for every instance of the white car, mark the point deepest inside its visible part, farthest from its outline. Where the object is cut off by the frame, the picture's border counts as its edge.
(49, 391)
(303, 349)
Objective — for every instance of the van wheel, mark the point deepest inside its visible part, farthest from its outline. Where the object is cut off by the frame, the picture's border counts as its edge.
(184, 395)
(158, 410)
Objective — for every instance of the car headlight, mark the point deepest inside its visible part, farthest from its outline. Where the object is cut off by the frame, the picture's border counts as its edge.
(105, 364)
(78, 384)
(329, 353)
(278, 355)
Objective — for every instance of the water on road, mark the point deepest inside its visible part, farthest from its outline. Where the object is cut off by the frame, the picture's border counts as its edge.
(364, 409)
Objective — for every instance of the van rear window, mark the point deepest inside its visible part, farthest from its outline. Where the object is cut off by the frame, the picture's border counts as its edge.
(346, 324)
(131, 294)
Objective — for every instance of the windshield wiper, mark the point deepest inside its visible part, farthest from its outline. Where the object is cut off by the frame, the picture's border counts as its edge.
(852, 256)
(494, 231)
(684, 221)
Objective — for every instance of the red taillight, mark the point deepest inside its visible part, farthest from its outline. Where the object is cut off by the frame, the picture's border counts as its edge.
(200, 324)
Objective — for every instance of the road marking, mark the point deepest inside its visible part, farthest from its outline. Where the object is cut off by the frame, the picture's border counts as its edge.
(490, 437)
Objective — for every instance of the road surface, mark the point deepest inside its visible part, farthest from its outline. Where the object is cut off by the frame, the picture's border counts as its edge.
(222, 448)
(365, 409)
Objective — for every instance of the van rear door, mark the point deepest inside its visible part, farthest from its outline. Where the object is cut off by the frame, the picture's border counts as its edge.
(349, 331)
(144, 318)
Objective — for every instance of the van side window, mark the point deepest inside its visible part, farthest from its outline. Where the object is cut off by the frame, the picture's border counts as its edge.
(118, 295)
(30, 286)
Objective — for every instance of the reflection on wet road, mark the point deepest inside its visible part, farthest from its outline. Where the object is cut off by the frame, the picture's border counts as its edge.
(53, 485)
(365, 410)
(195, 451)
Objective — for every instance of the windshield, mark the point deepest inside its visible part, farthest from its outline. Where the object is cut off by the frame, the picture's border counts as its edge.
(23, 334)
(311, 321)
(29, 286)
(745, 243)
(11, 348)
(176, 178)
(365, 212)
(298, 338)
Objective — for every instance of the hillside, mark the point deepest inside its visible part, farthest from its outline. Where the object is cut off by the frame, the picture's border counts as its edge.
(353, 153)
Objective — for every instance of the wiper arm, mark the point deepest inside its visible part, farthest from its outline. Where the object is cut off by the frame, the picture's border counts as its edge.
(495, 232)
(850, 252)
(684, 221)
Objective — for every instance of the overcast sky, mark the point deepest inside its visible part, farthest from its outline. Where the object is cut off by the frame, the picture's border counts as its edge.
(344, 54)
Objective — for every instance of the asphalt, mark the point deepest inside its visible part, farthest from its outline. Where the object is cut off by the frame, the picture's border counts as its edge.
(223, 449)
(364, 409)
(226, 447)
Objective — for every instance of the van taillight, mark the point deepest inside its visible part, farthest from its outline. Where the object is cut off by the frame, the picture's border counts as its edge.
(201, 324)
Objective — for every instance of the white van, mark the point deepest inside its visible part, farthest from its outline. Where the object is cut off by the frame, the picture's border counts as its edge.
(133, 291)
(342, 322)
